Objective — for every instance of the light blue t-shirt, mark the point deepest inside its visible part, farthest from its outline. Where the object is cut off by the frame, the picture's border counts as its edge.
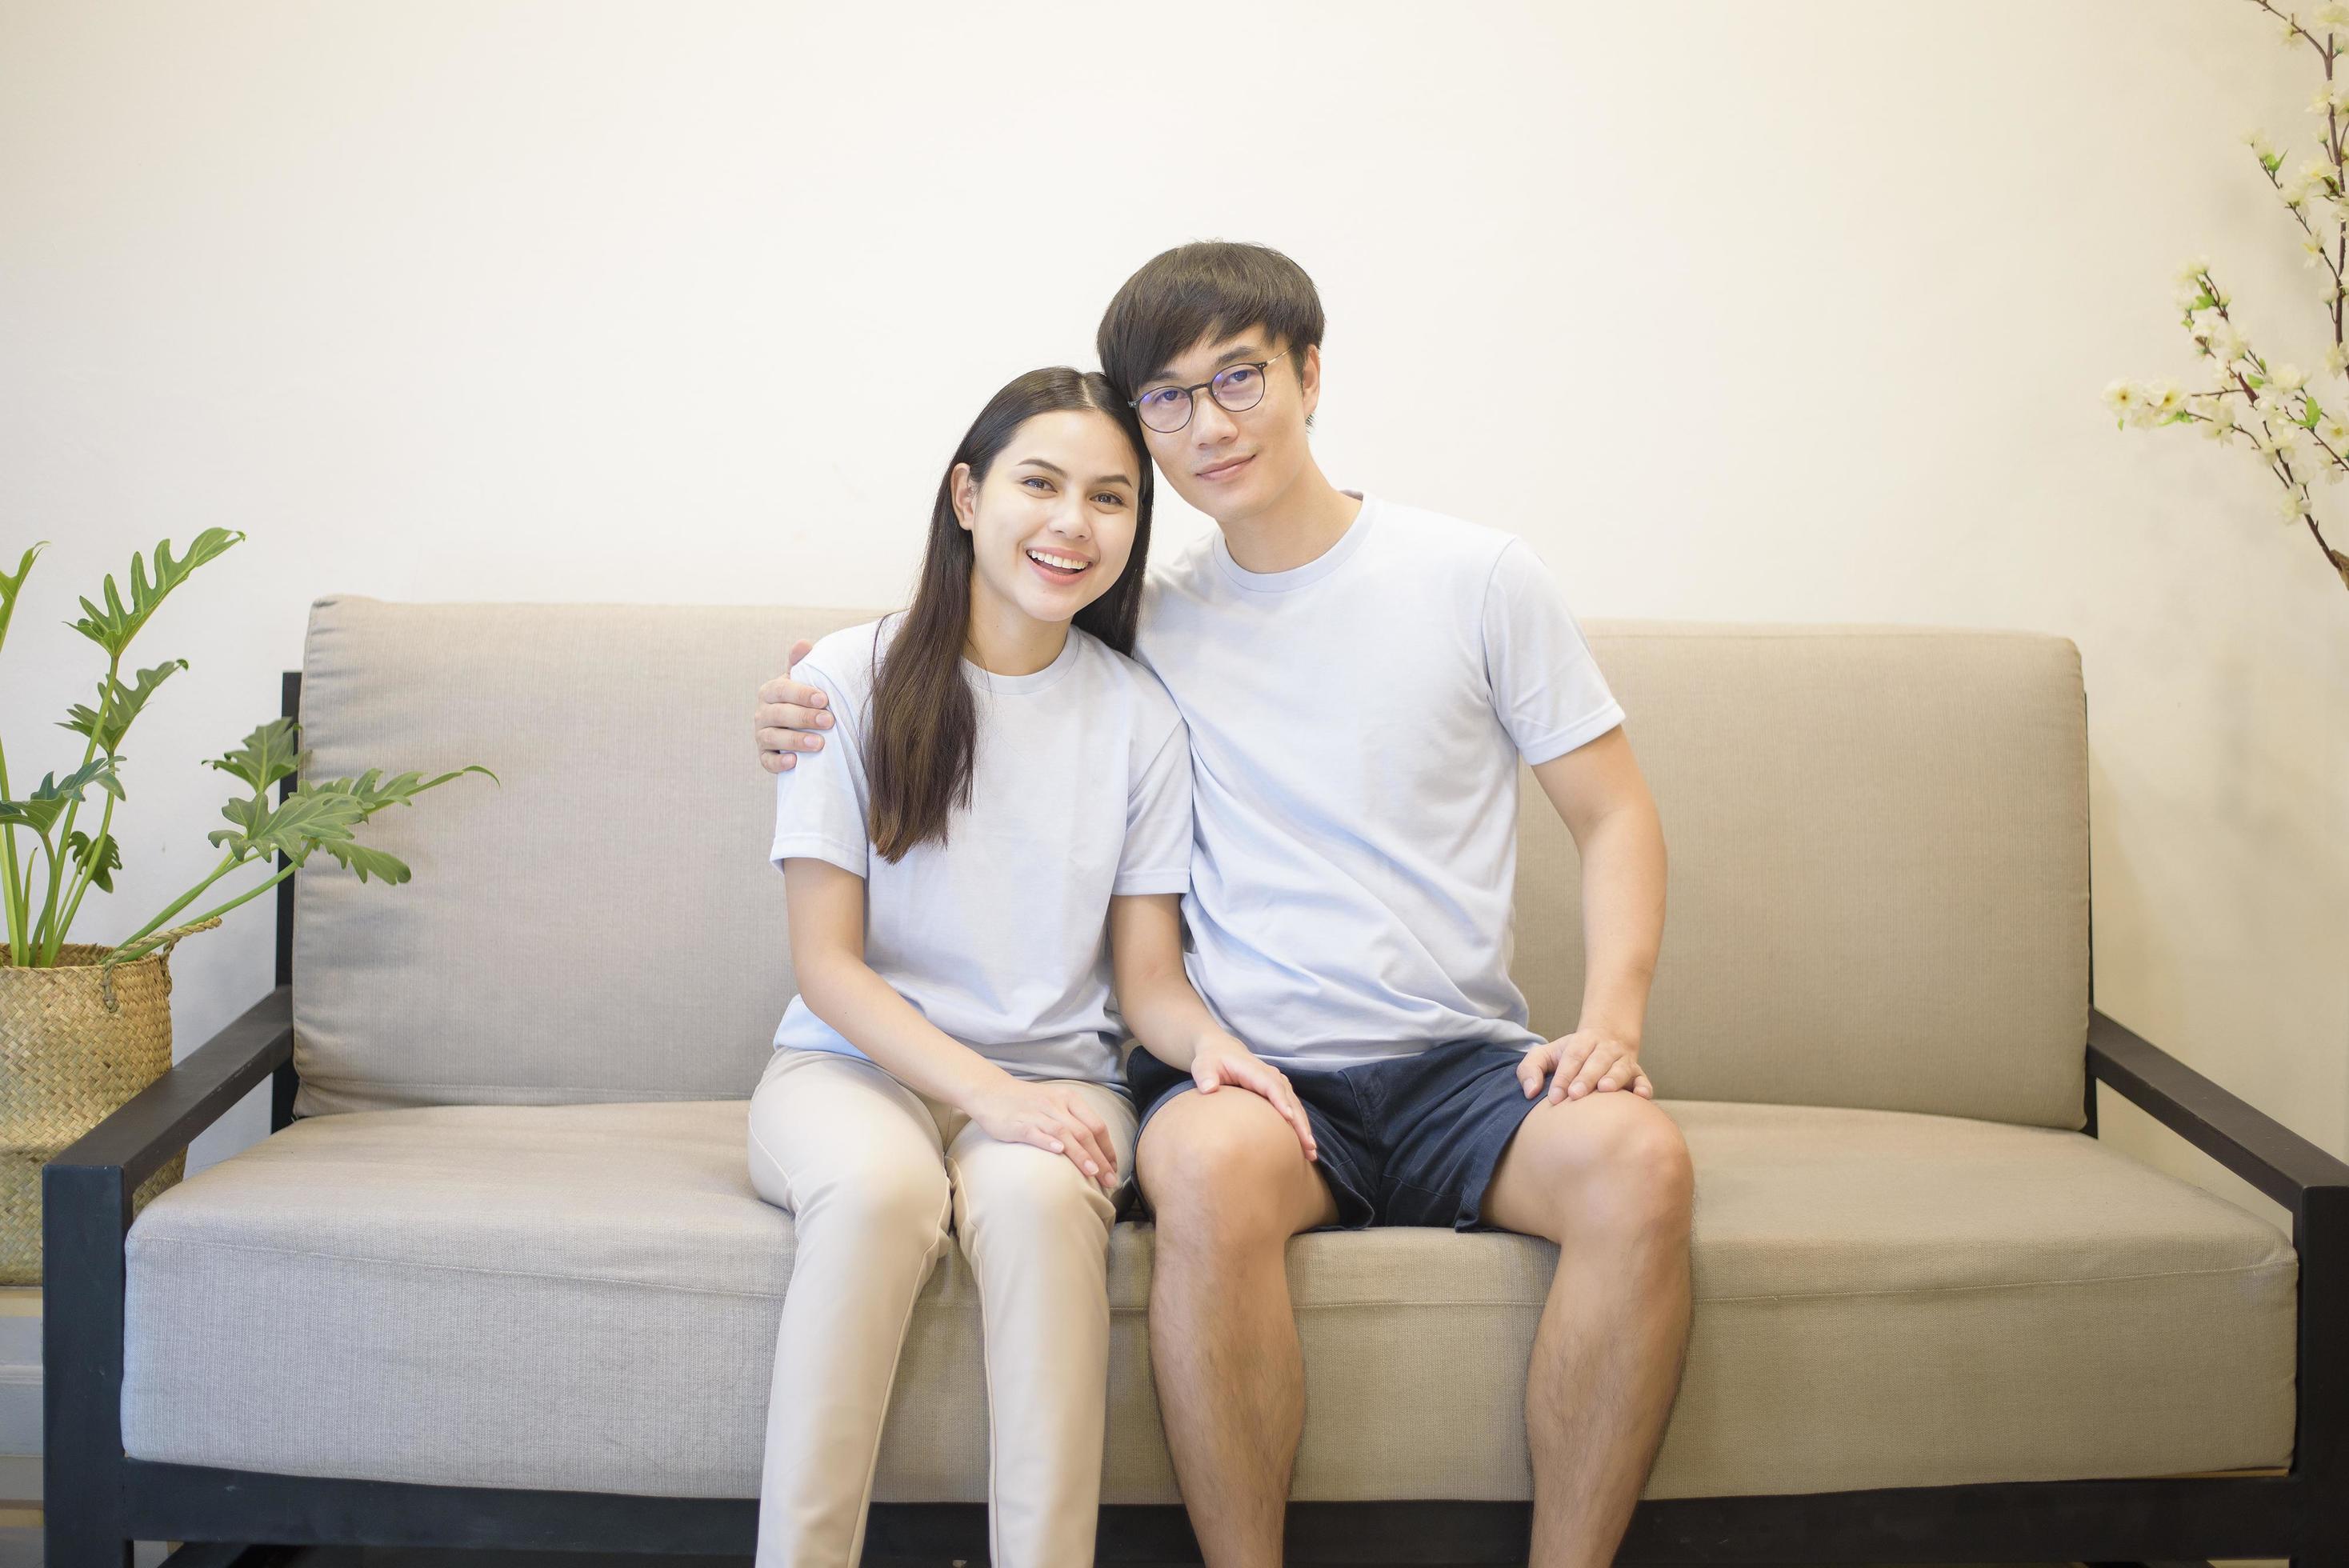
(1080, 790)
(1356, 726)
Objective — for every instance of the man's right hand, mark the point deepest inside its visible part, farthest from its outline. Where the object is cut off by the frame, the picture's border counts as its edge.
(1223, 1060)
(788, 716)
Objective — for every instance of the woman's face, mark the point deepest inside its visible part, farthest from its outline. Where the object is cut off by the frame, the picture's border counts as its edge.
(1051, 526)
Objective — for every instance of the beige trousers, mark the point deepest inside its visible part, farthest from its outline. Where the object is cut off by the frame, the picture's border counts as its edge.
(872, 1173)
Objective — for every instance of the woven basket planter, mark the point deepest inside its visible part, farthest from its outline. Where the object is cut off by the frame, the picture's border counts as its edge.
(67, 1060)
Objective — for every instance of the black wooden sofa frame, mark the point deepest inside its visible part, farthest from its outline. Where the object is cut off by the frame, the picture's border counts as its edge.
(97, 1500)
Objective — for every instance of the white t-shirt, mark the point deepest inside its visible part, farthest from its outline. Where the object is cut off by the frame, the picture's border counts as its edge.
(1081, 788)
(1355, 729)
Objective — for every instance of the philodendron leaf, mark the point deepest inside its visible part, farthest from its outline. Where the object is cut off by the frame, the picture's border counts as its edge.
(368, 793)
(398, 789)
(267, 755)
(11, 586)
(48, 802)
(101, 856)
(117, 704)
(112, 627)
(293, 828)
(359, 858)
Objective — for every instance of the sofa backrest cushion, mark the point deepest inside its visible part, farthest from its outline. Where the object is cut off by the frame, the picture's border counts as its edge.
(1878, 845)
(1878, 840)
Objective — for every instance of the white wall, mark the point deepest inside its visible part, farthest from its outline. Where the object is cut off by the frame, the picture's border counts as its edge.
(1796, 312)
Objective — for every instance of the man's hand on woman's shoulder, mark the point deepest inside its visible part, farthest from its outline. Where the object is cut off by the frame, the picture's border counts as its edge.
(787, 716)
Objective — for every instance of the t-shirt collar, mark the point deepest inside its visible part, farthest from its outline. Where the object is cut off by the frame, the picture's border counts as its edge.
(1314, 570)
(1022, 685)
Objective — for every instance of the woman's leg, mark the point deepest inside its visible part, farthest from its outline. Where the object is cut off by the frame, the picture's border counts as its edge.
(856, 1157)
(1036, 1230)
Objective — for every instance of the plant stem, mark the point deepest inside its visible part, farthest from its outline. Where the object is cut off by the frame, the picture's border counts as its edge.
(82, 878)
(244, 897)
(229, 862)
(13, 892)
(52, 935)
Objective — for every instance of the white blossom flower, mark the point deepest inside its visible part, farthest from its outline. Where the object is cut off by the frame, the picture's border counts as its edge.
(2291, 28)
(2313, 244)
(2335, 429)
(2333, 14)
(2288, 379)
(2200, 328)
(2295, 504)
(2262, 148)
(2192, 273)
(2162, 398)
(2121, 396)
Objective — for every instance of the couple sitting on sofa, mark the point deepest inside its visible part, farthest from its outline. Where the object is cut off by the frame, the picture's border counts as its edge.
(996, 813)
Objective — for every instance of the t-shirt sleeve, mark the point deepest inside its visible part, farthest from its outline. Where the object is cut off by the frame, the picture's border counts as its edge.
(1546, 688)
(820, 804)
(1157, 853)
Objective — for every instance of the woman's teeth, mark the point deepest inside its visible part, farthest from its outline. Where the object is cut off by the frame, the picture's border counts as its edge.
(1063, 565)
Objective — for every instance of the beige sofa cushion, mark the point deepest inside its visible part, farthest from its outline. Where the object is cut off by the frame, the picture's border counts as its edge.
(586, 1297)
(1878, 842)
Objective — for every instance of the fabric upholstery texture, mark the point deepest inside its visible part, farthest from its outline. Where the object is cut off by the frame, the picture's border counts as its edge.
(511, 1240)
(586, 1297)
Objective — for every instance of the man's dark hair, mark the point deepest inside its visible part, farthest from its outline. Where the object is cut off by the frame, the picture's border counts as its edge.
(1209, 288)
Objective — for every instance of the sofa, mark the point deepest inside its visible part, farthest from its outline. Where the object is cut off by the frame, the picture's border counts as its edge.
(497, 1276)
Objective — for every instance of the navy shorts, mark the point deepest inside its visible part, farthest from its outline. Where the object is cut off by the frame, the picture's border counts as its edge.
(1411, 1140)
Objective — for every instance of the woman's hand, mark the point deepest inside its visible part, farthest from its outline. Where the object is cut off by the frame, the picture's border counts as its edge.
(1053, 1117)
(1221, 1060)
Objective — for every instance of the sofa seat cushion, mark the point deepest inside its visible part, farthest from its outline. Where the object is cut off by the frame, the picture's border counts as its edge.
(585, 1297)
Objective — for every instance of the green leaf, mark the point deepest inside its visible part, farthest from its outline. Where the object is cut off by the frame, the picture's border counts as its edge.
(358, 858)
(293, 828)
(48, 802)
(101, 856)
(117, 704)
(113, 626)
(397, 790)
(11, 586)
(267, 755)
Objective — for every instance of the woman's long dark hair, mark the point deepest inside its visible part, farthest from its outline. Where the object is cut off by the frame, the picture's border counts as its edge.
(923, 736)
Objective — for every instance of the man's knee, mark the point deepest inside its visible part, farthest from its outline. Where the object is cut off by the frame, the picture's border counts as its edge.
(1610, 1162)
(1224, 1170)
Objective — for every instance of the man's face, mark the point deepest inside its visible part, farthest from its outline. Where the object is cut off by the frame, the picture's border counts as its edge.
(1231, 465)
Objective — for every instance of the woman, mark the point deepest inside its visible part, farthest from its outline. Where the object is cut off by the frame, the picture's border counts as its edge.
(1004, 787)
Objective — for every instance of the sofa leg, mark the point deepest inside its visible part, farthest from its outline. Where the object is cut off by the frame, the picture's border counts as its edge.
(85, 1210)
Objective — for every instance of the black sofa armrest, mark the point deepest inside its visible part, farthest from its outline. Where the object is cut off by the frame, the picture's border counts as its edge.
(86, 1194)
(163, 1117)
(2248, 1142)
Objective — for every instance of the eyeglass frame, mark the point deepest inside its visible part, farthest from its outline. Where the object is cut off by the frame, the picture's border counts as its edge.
(1208, 386)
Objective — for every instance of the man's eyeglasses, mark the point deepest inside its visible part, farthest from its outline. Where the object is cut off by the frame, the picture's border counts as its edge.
(1235, 388)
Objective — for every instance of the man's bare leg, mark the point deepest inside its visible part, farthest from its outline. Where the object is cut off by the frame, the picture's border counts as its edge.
(1230, 1184)
(1607, 1177)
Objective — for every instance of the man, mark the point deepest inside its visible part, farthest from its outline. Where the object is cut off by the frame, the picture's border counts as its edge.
(1360, 679)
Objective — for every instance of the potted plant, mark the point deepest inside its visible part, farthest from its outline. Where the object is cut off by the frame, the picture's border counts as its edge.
(85, 1026)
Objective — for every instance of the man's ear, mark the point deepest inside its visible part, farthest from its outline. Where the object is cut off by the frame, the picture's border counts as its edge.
(1309, 379)
(966, 495)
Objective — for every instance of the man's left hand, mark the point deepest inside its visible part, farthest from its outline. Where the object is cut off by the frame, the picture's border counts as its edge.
(1588, 1061)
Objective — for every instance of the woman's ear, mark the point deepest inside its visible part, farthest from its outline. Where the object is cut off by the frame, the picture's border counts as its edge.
(966, 495)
